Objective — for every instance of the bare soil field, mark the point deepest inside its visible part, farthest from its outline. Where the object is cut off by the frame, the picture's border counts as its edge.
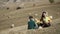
(20, 17)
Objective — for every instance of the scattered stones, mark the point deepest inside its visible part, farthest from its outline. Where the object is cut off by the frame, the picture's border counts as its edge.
(18, 8)
(7, 8)
(12, 26)
(36, 14)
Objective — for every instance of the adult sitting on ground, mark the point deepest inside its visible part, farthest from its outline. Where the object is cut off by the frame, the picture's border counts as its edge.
(46, 20)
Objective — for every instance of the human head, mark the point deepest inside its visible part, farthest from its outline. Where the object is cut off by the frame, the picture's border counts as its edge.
(44, 14)
(30, 17)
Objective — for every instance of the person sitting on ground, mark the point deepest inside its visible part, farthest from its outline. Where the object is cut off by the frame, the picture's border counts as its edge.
(31, 23)
(46, 20)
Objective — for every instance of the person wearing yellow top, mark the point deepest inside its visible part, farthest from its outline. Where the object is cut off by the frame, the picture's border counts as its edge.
(46, 20)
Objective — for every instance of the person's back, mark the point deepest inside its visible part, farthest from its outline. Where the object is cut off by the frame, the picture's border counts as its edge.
(31, 23)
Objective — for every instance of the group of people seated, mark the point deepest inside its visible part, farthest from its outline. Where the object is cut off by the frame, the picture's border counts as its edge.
(44, 21)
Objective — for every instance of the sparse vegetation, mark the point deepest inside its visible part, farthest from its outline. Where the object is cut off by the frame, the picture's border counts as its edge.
(51, 1)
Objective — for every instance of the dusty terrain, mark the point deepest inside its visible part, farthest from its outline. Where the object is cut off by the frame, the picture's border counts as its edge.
(20, 17)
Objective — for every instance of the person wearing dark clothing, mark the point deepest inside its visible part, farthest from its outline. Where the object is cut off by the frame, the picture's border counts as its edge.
(31, 23)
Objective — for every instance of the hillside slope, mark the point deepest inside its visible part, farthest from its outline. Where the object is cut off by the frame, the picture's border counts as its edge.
(53, 29)
(20, 17)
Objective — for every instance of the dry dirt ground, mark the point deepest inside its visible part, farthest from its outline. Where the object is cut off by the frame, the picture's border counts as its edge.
(53, 29)
(20, 17)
